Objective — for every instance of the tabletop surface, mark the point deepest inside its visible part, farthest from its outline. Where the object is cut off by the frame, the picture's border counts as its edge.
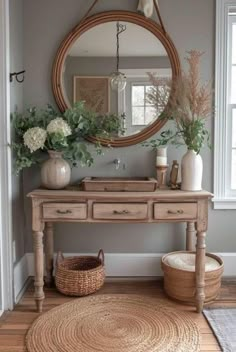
(158, 194)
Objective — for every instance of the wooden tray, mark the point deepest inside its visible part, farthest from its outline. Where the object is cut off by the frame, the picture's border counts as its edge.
(119, 184)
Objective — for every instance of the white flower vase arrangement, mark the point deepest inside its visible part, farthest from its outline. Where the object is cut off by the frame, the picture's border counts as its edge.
(55, 172)
(188, 104)
(62, 138)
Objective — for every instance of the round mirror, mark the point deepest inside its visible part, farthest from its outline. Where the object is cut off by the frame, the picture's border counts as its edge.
(105, 62)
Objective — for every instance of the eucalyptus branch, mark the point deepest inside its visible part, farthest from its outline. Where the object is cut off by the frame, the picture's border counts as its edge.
(39, 130)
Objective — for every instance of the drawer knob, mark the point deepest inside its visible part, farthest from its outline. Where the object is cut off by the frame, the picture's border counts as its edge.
(64, 211)
(120, 212)
(180, 211)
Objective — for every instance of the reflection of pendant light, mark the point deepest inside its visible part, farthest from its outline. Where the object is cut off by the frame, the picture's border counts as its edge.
(118, 79)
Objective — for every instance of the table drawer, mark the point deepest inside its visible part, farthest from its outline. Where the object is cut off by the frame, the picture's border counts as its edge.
(175, 211)
(65, 211)
(120, 211)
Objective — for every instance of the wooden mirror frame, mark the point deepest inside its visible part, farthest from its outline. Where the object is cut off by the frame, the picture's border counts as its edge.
(100, 18)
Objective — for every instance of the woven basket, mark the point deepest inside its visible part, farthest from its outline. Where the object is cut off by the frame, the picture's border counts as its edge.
(80, 276)
(180, 284)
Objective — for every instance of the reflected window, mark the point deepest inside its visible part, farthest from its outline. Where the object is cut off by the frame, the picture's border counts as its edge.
(143, 112)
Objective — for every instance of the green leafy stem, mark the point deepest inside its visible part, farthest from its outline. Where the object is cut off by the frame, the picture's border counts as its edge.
(193, 134)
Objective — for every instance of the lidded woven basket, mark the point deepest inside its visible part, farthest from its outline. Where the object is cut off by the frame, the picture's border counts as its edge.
(80, 276)
(180, 278)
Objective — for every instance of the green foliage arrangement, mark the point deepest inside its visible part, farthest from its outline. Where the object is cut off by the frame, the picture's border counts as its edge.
(40, 130)
(185, 102)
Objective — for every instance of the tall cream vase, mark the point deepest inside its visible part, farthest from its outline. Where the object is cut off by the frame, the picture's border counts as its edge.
(55, 172)
(191, 171)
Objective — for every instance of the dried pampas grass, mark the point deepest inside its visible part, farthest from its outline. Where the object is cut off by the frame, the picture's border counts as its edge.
(184, 97)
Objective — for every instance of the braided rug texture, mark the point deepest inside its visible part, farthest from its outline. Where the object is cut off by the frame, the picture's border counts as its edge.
(114, 323)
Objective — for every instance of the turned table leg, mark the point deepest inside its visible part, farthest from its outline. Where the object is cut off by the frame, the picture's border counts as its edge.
(190, 235)
(200, 270)
(49, 251)
(39, 268)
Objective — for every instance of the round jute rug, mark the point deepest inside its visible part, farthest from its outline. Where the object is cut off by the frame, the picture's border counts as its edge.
(113, 323)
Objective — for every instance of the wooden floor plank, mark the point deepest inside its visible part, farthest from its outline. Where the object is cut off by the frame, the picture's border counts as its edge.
(12, 340)
(13, 349)
(14, 325)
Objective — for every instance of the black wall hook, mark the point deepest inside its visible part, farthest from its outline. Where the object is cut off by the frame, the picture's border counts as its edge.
(16, 74)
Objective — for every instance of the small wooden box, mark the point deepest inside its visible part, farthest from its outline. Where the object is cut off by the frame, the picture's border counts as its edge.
(119, 184)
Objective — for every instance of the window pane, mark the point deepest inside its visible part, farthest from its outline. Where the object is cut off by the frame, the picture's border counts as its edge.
(234, 44)
(234, 129)
(138, 116)
(233, 173)
(233, 85)
(137, 95)
(150, 114)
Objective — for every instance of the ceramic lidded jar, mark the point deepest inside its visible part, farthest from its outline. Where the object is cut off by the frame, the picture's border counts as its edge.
(55, 172)
(191, 171)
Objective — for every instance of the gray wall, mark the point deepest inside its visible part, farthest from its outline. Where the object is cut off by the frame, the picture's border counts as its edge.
(190, 24)
(16, 96)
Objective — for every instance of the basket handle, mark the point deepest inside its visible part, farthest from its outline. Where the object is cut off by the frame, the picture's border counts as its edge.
(60, 257)
(101, 256)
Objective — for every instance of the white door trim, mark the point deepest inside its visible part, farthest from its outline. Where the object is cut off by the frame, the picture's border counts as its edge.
(6, 263)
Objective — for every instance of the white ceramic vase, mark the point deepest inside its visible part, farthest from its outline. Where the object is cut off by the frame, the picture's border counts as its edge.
(191, 171)
(55, 172)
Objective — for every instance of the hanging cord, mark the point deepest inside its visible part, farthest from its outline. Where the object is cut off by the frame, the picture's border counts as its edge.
(159, 16)
(120, 28)
(155, 5)
(89, 10)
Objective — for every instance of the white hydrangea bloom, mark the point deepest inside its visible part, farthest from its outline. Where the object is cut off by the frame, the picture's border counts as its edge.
(59, 125)
(34, 138)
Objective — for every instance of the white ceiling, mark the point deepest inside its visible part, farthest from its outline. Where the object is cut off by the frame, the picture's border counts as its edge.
(101, 41)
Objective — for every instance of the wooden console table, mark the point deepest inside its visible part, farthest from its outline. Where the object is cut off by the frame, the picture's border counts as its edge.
(119, 207)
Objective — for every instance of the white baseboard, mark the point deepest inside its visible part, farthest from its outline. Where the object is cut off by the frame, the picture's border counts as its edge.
(21, 274)
(117, 265)
(229, 260)
(120, 264)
